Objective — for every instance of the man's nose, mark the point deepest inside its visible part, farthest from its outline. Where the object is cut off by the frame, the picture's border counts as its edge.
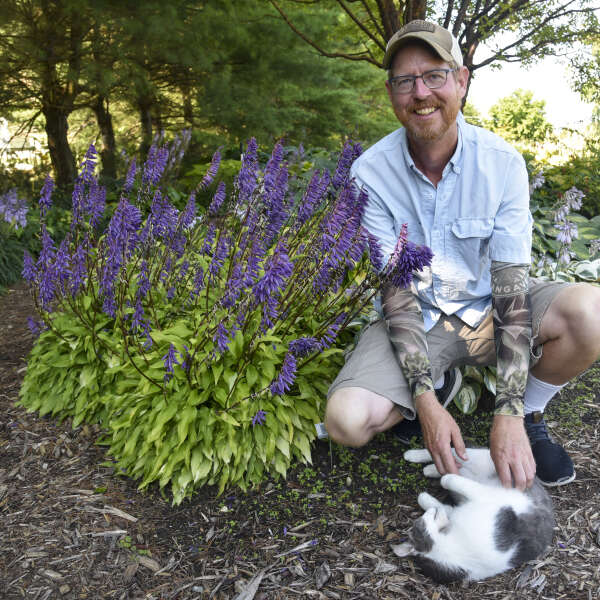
(421, 90)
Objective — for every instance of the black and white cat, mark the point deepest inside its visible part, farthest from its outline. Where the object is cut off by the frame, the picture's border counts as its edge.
(490, 529)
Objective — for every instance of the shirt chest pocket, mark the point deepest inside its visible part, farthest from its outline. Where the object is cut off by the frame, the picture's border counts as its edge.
(469, 240)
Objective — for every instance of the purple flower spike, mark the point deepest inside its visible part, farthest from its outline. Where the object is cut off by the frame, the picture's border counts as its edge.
(170, 360)
(246, 179)
(286, 376)
(273, 167)
(155, 165)
(329, 336)
(221, 338)
(29, 271)
(260, 418)
(130, 177)
(344, 163)
(45, 201)
(212, 170)
(303, 346)
(217, 200)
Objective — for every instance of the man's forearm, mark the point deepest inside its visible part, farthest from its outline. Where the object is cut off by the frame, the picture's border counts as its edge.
(512, 332)
(402, 314)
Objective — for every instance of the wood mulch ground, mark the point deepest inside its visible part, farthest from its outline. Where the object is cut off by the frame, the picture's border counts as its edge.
(69, 528)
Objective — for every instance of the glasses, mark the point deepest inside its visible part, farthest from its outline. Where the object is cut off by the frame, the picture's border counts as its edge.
(434, 79)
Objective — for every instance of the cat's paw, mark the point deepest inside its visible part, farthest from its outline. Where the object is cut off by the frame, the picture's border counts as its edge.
(450, 480)
(431, 472)
(420, 455)
(427, 501)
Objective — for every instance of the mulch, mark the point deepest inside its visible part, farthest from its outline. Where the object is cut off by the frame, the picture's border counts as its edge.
(71, 528)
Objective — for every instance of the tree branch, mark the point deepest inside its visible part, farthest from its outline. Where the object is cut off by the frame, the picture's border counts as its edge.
(360, 25)
(357, 57)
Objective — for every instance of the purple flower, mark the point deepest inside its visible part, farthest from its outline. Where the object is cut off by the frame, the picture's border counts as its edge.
(221, 338)
(218, 259)
(332, 331)
(344, 163)
(286, 376)
(277, 213)
(277, 270)
(303, 346)
(96, 203)
(567, 232)
(45, 201)
(170, 360)
(142, 281)
(138, 318)
(260, 418)
(573, 198)
(36, 327)
(189, 214)
(29, 271)
(406, 258)
(61, 266)
(246, 179)
(315, 191)
(88, 165)
(13, 209)
(130, 177)
(273, 167)
(48, 249)
(217, 200)
(375, 253)
(163, 217)
(155, 165)
(79, 267)
(198, 282)
(212, 170)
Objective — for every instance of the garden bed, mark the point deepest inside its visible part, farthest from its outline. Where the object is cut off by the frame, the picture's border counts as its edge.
(70, 528)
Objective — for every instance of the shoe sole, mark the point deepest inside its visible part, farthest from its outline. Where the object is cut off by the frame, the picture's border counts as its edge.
(558, 483)
(455, 387)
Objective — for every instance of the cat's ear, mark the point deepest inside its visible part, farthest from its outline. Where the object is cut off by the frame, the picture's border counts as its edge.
(404, 549)
(418, 456)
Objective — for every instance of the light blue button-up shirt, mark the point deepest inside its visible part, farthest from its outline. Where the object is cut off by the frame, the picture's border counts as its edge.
(478, 212)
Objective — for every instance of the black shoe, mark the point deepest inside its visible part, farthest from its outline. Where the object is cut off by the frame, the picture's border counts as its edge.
(406, 430)
(554, 467)
(452, 383)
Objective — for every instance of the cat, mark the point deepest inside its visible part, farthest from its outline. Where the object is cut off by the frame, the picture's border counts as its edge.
(490, 529)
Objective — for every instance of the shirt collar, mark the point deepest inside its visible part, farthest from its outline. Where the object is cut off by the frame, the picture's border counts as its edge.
(455, 160)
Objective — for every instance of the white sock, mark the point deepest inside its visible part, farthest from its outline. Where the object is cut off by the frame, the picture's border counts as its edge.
(538, 394)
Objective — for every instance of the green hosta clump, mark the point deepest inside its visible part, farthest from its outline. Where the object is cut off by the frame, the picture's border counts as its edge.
(203, 344)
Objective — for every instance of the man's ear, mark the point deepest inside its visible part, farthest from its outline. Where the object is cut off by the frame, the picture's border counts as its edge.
(462, 78)
(388, 88)
(404, 549)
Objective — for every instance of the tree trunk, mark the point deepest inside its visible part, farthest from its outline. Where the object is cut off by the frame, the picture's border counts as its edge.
(145, 108)
(61, 156)
(108, 152)
(415, 9)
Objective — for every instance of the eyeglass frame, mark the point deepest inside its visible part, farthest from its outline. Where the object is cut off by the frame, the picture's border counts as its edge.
(421, 77)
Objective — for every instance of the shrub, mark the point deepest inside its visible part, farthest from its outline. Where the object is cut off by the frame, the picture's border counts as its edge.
(203, 344)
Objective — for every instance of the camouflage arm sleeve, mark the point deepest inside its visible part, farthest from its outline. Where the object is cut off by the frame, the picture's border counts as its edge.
(404, 320)
(512, 332)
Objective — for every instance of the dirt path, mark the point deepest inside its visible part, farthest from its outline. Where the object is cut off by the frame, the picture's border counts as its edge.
(69, 528)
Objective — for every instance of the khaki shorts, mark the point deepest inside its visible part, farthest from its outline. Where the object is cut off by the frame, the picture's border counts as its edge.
(372, 364)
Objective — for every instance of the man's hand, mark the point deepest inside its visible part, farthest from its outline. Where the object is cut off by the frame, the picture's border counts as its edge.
(511, 452)
(440, 433)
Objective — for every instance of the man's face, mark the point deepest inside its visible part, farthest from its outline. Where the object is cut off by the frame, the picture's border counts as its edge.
(428, 115)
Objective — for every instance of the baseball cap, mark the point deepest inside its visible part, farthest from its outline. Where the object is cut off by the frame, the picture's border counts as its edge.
(439, 39)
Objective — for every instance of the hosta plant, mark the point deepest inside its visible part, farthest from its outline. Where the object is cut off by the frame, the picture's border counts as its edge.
(203, 344)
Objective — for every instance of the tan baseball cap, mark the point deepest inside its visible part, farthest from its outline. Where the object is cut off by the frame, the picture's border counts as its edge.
(439, 39)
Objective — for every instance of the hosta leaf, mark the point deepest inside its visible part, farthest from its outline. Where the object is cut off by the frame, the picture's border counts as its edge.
(467, 398)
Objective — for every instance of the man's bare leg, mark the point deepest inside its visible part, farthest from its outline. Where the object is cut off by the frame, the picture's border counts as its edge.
(355, 415)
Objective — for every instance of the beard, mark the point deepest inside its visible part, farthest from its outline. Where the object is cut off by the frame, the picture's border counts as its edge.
(430, 131)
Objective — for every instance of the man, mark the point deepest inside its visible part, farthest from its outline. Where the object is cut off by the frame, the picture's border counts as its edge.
(462, 191)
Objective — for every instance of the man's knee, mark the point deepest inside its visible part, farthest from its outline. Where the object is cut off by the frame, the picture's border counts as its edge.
(353, 415)
(581, 314)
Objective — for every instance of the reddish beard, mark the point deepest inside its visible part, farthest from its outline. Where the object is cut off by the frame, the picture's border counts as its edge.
(434, 130)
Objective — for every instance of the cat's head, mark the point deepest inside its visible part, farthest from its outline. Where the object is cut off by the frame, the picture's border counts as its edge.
(424, 537)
